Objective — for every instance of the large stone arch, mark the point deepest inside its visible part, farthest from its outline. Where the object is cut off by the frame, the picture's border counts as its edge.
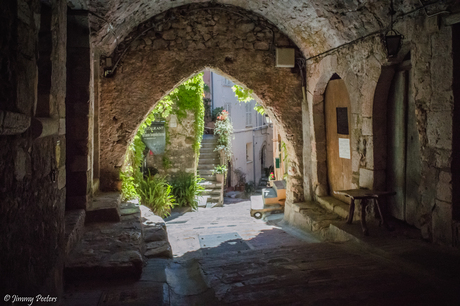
(171, 47)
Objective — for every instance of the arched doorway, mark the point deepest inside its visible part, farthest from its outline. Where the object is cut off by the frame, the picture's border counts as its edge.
(338, 136)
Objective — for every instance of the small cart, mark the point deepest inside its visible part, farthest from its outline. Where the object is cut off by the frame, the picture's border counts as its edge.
(272, 200)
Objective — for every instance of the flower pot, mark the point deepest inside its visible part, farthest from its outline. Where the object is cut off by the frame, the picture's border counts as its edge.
(220, 177)
(270, 183)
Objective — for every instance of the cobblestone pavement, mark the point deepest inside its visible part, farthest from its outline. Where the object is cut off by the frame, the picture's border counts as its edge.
(222, 256)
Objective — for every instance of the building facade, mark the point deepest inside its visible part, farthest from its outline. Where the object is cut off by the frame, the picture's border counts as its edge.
(252, 143)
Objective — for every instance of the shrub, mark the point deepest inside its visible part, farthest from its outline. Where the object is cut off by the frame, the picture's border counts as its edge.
(155, 192)
(249, 189)
(186, 189)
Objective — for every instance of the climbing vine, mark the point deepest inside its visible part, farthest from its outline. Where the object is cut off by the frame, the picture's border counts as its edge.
(244, 95)
(186, 97)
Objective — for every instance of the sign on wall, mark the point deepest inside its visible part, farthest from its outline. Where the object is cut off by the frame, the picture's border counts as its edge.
(155, 137)
(342, 120)
(344, 148)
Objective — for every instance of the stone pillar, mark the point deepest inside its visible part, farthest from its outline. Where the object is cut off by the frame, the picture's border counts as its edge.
(78, 110)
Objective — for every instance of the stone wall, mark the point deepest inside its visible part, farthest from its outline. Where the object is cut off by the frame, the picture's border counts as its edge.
(367, 73)
(179, 153)
(170, 47)
(32, 148)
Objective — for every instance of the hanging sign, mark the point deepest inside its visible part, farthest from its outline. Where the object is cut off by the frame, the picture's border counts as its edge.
(155, 137)
(344, 148)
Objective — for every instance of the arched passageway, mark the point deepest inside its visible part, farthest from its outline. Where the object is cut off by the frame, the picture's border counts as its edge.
(171, 47)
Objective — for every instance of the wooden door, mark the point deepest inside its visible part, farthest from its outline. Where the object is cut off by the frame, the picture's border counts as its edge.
(338, 128)
(404, 156)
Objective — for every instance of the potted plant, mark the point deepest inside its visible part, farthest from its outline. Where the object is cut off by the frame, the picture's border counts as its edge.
(220, 171)
(240, 179)
(271, 178)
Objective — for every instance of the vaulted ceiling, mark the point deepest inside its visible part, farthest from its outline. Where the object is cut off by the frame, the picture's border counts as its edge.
(314, 25)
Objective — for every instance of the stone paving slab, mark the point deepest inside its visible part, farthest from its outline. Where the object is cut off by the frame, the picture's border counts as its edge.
(283, 266)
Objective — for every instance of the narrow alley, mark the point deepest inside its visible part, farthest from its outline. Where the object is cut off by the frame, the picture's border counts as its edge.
(222, 256)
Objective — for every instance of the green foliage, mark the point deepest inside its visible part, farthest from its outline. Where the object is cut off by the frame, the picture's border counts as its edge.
(155, 192)
(283, 147)
(219, 169)
(223, 129)
(166, 162)
(243, 94)
(207, 107)
(129, 186)
(186, 189)
(216, 112)
(240, 177)
(206, 88)
(187, 96)
(259, 109)
(248, 189)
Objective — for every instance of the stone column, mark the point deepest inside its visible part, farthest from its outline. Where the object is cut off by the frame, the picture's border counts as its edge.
(78, 110)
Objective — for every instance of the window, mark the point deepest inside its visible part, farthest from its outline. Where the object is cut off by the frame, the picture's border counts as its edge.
(248, 114)
(227, 83)
(249, 152)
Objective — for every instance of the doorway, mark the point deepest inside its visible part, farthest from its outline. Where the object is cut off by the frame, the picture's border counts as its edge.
(403, 147)
(338, 115)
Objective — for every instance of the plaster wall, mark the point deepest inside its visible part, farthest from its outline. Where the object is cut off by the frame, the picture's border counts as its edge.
(256, 133)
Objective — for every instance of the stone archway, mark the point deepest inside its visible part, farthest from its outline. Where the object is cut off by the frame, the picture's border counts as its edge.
(361, 81)
(169, 48)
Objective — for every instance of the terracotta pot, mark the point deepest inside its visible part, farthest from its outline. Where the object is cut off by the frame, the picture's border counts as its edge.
(220, 177)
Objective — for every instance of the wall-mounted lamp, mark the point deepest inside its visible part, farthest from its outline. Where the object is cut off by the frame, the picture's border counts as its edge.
(393, 42)
(392, 38)
(267, 118)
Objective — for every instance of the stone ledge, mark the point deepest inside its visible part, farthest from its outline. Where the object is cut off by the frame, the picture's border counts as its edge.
(311, 217)
(74, 227)
(338, 207)
(105, 207)
(13, 123)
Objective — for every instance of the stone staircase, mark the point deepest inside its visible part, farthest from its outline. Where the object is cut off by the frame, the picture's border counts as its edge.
(213, 193)
(262, 184)
(99, 247)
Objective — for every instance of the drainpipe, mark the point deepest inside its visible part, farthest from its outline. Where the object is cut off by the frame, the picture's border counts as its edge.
(254, 157)
(212, 91)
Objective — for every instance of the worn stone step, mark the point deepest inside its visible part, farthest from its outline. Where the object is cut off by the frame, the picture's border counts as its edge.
(206, 166)
(210, 184)
(205, 171)
(209, 161)
(207, 149)
(340, 208)
(105, 207)
(310, 216)
(209, 140)
(211, 191)
(74, 228)
(214, 198)
(211, 177)
(209, 155)
(109, 250)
